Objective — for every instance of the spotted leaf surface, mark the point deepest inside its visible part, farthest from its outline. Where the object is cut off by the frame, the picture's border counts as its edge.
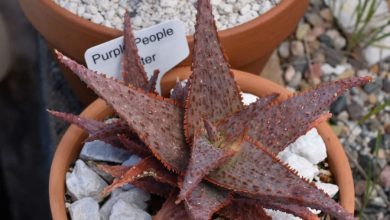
(213, 92)
(256, 173)
(205, 200)
(172, 211)
(280, 124)
(157, 121)
(132, 69)
(204, 158)
(244, 210)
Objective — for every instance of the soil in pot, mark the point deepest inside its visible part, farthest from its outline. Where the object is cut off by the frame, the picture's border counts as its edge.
(145, 13)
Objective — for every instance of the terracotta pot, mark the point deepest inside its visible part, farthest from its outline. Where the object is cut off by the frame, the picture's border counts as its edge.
(71, 143)
(248, 46)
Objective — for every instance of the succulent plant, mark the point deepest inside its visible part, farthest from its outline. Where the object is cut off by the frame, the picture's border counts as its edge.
(202, 149)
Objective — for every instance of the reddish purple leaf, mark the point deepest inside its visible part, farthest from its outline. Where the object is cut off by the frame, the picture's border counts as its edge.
(132, 69)
(157, 121)
(213, 92)
(205, 200)
(204, 158)
(180, 92)
(151, 87)
(244, 210)
(134, 146)
(273, 127)
(171, 211)
(256, 173)
(148, 167)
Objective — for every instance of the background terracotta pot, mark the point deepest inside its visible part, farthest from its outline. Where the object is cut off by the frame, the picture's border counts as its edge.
(71, 143)
(248, 46)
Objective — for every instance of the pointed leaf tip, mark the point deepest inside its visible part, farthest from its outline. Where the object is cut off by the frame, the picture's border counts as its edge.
(213, 92)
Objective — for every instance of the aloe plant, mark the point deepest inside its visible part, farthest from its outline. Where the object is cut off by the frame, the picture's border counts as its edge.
(202, 149)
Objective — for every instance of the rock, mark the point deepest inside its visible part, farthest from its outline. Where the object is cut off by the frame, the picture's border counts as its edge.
(133, 160)
(83, 182)
(355, 110)
(360, 187)
(339, 105)
(100, 151)
(387, 129)
(333, 57)
(134, 196)
(296, 80)
(272, 70)
(337, 129)
(339, 41)
(314, 19)
(310, 146)
(373, 86)
(386, 84)
(168, 3)
(84, 209)
(304, 167)
(297, 48)
(325, 39)
(275, 214)
(372, 99)
(284, 49)
(300, 64)
(330, 189)
(289, 74)
(326, 14)
(248, 98)
(384, 178)
(379, 202)
(125, 211)
(302, 30)
(327, 69)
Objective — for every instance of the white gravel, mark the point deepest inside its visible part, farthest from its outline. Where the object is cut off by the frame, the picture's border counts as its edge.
(145, 13)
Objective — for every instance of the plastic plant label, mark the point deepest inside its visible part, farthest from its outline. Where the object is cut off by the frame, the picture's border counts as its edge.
(161, 47)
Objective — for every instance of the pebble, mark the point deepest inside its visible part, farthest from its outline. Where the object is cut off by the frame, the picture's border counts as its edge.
(339, 42)
(284, 49)
(355, 110)
(310, 146)
(339, 105)
(326, 14)
(304, 167)
(83, 182)
(248, 98)
(297, 48)
(134, 196)
(296, 80)
(275, 214)
(133, 160)
(314, 19)
(100, 151)
(325, 39)
(330, 189)
(127, 211)
(84, 209)
(110, 13)
(384, 178)
(302, 30)
(373, 86)
(386, 84)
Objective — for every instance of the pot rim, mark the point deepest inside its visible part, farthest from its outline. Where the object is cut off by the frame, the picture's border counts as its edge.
(74, 136)
(89, 26)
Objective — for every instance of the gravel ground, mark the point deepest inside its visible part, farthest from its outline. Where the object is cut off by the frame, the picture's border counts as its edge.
(317, 53)
(145, 13)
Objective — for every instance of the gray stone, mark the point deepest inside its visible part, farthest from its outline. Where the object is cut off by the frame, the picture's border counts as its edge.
(100, 151)
(314, 19)
(125, 211)
(326, 39)
(83, 182)
(373, 86)
(297, 48)
(133, 160)
(355, 110)
(134, 196)
(339, 105)
(284, 49)
(386, 84)
(84, 209)
(385, 178)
